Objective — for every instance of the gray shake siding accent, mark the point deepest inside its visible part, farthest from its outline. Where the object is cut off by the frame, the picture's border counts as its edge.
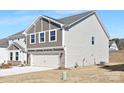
(38, 26)
(45, 25)
(31, 30)
(47, 43)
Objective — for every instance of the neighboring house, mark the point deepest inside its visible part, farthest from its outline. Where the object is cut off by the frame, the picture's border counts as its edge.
(3, 51)
(75, 40)
(15, 49)
(121, 44)
(113, 46)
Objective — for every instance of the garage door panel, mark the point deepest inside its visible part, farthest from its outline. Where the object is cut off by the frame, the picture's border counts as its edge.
(45, 60)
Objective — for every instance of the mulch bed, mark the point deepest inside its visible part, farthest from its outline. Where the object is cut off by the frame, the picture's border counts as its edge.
(5, 66)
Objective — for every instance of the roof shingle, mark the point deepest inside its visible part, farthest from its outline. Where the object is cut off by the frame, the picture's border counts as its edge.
(70, 19)
(4, 43)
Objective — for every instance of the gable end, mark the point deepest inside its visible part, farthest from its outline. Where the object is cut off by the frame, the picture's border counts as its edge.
(82, 19)
(43, 24)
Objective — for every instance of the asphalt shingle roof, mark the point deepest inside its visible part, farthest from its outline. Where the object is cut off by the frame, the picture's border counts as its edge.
(70, 19)
(17, 35)
(4, 43)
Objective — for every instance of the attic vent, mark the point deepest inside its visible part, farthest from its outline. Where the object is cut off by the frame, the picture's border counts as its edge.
(93, 40)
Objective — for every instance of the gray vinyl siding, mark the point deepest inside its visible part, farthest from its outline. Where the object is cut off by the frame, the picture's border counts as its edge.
(31, 30)
(38, 26)
(47, 43)
(45, 23)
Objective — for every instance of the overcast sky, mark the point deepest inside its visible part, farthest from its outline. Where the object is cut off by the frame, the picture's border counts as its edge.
(15, 21)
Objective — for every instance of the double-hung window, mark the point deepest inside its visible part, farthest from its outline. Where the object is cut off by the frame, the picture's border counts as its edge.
(41, 37)
(11, 56)
(17, 56)
(53, 36)
(32, 38)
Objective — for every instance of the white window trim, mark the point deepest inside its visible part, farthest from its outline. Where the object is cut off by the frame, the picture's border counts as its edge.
(35, 38)
(44, 37)
(55, 36)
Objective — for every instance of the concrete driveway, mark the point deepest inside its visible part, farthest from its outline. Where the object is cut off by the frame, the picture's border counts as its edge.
(21, 70)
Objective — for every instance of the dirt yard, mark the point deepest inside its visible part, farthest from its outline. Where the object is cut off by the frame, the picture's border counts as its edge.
(117, 56)
(113, 72)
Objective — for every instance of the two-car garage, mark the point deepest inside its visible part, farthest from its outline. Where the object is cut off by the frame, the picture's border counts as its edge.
(52, 61)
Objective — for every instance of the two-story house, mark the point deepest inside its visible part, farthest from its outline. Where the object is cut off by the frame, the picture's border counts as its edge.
(113, 46)
(75, 40)
(67, 42)
(14, 49)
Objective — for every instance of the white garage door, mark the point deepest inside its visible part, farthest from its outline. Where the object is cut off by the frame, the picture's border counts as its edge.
(45, 60)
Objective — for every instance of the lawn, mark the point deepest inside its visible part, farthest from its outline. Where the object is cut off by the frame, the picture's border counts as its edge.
(113, 72)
